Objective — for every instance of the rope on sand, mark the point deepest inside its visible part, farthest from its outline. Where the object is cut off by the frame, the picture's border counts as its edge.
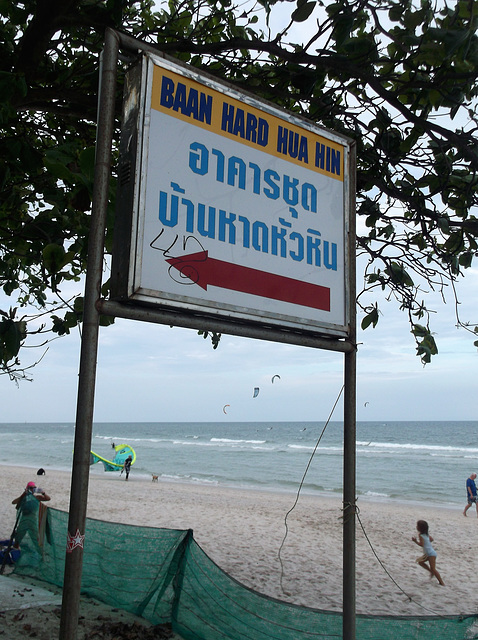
(300, 487)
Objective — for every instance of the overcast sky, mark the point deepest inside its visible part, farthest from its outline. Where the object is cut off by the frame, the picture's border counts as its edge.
(156, 373)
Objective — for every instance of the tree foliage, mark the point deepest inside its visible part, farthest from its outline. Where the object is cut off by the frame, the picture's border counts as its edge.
(398, 76)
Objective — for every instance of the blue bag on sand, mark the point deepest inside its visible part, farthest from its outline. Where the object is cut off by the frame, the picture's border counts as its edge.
(12, 555)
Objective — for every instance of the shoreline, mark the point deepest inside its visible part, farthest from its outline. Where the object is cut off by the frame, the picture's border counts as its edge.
(99, 474)
(243, 530)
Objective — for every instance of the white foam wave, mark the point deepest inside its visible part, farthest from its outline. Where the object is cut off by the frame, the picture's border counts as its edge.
(418, 447)
(231, 441)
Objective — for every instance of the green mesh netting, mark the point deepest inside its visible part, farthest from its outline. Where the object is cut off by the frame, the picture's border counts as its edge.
(164, 576)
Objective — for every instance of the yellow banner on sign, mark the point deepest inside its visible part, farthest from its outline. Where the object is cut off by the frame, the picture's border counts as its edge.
(202, 106)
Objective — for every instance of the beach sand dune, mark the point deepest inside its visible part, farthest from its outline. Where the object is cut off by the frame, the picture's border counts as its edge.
(244, 531)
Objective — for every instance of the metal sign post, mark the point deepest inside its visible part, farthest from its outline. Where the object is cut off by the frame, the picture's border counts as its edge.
(89, 347)
(350, 437)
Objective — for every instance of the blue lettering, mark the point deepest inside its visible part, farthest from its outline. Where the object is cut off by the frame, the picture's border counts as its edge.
(189, 215)
(241, 175)
(226, 223)
(198, 162)
(290, 191)
(244, 125)
(256, 179)
(292, 144)
(206, 229)
(170, 220)
(328, 158)
(236, 167)
(192, 108)
(282, 140)
(313, 250)
(293, 147)
(260, 237)
(297, 255)
(278, 236)
(190, 103)
(263, 132)
(167, 92)
(309, 197)
(320, 155)
(246, 232)
(220, 165)
(251, 127)
(328, 263)
(180, 98)
(227, 122)
(239, 124)
(335, 162)
(275, 239)
(303, 154)
(274, 191)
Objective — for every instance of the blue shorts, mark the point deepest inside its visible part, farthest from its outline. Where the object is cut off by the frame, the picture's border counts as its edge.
(472, 500)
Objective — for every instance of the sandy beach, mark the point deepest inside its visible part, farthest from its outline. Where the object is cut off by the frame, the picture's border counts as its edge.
(243, 531)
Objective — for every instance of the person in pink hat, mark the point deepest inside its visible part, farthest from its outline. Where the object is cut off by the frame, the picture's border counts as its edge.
(27, 506)
(32, 489)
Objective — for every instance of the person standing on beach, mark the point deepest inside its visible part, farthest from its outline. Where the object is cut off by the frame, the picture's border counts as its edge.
(127, 466)
(27, 506)
(425, 540)
(31, 490)
(471, 494)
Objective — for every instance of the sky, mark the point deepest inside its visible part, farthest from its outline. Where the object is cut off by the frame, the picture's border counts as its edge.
(156, 373)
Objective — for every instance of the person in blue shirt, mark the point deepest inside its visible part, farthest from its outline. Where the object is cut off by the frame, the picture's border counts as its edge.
(471, 494)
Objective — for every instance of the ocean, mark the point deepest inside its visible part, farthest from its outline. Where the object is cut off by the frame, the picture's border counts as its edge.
(396, 461)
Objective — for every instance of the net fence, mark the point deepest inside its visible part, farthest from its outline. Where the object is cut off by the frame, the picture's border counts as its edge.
(164, 576)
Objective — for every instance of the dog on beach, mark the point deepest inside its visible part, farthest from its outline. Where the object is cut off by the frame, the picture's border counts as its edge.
(154, 478)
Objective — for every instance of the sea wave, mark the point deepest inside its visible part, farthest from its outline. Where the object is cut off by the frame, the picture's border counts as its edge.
(233, 441)
(374, 494)
(403, 460)
(415, 446)
(312, 447)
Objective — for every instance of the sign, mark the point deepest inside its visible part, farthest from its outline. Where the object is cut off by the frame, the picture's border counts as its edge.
(240, 210)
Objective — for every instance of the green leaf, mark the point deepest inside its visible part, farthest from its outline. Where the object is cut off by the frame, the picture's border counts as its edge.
(11, 336)
(427, 348)
(454, 243)
(399, 275)
(466, 259)
(53, 257)
(303, 12)
(370, 319)
(420, 331)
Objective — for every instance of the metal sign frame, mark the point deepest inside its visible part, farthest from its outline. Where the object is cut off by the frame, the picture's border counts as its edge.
(94, 306)
(210, 259)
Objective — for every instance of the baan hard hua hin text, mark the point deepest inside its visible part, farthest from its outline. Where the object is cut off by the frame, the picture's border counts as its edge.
(200, 106)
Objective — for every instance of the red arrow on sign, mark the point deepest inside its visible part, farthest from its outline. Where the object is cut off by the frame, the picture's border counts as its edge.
(205, 271)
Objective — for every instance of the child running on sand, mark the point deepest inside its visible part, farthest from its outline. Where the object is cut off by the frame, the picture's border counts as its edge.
(430, 555)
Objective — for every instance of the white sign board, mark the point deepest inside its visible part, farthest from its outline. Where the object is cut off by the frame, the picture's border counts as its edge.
(241, 209)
